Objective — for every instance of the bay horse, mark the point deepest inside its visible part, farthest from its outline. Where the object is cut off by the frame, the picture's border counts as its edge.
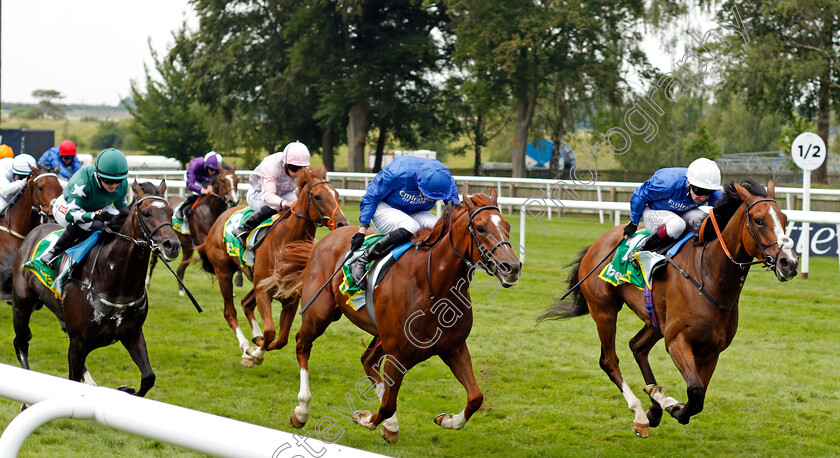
(205, 210)
(696, 308)
(423, 305)
(317, 205)
(104, 298)
(32, 207)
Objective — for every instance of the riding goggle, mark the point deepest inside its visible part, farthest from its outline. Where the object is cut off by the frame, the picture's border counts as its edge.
(19, 176)
(701, 191)
(110, 182)
(293, 168)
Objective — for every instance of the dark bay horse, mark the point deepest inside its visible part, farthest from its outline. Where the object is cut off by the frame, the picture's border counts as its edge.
(697, 324)
(206, 209)
(32, 207)
(104, 299)
(423, 305)
(317, 205)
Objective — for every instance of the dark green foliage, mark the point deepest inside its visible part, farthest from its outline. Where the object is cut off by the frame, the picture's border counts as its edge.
(111, 134)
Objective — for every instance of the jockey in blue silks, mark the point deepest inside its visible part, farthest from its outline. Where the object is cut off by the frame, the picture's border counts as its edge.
(668, 201)
(398, 201)
(62, 157)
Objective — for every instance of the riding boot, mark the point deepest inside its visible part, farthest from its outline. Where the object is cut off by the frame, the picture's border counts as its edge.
(657, 240)
(392, 239)
(71, 234)
(186, 207)
(253, 221)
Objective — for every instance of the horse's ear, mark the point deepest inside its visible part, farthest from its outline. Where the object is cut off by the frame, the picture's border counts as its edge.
(136, 187)
(746, 196)
(162, 188)
(324, 170)
(233, 166)
(468, 203)
(494, 196)
(771, 189)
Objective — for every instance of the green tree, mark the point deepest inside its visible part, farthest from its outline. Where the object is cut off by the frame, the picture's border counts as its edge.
(46, 104)
(110, 134)
(167, 117)
(701, 144)
(739, 129)
(785, 58)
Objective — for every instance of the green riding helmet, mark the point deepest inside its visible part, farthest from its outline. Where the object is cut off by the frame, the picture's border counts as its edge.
(111, 164)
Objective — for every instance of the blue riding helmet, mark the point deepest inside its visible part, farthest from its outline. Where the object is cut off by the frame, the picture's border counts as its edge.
(434, 180)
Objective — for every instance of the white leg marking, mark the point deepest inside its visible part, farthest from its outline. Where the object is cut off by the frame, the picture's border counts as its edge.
(364, 420)
(243, 342)
(658, 395)
(255, 328)
(304, 397)
(87, 379)
(391, 423)
(634, 404)
(453, 421)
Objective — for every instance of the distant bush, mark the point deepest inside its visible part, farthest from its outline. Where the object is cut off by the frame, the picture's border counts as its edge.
(19, 112)
(89, 118)
(34, 113)
(110, 134)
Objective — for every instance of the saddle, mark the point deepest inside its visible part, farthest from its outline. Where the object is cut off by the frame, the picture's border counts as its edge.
(638, 267)
(255, 238)
(54, 278)
(180, 223)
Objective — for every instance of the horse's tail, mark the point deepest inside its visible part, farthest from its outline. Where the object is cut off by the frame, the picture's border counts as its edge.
(205, 261)
(286, 278)
(571, 306)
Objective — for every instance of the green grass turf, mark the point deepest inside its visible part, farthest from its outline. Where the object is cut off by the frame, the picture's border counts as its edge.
(774, 391)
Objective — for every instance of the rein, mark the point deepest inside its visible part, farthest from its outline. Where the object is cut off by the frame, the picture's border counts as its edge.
(330, 219)
(220, 195)
(768, 261)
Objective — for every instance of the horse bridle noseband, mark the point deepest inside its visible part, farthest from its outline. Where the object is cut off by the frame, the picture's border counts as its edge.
(147, 234)
(768, 261)
(37, 205)
(330, 219)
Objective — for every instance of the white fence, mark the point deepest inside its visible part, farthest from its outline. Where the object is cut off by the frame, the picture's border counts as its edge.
(52, 398)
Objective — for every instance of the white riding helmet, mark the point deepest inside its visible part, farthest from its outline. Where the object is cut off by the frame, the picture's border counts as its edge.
(296, 153)
(704, 173)
(22, 163)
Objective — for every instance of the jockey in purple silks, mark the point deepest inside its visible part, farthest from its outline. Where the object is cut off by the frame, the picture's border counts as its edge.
(201, 173)
(668, 201)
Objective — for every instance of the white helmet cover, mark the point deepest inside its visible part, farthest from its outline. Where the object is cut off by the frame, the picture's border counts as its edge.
(704, 173)
(22, 163)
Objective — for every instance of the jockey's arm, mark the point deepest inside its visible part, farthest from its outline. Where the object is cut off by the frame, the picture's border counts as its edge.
(381, 186)
(9, 189)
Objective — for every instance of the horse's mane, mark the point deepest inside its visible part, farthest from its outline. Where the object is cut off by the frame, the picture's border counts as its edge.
(433, 234)
(726, 207)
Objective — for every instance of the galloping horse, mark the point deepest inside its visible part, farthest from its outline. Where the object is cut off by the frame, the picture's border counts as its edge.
(317, 205)
(33, 206)
(427, 289)
(104, 298)
(696, 307)
(206, 209)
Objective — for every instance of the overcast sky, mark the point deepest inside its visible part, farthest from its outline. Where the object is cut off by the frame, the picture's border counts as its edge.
(90, 50)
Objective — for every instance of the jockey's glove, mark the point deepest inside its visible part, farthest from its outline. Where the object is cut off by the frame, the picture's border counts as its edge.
(356, 242)
(102, 216)
(630, 229)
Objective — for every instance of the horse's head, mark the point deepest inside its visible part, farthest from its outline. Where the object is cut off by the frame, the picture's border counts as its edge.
(318, 200)
(45, 189)
(151, 219)
(763, 234)
(491, 234)
(226, 186)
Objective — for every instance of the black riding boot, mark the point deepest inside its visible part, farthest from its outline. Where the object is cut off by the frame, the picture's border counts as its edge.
(655, 242)
(186, 207)
(253, 221)
(71, 234)
(377, 250)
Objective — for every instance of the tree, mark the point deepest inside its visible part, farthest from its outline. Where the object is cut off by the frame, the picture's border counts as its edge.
(521, 44)
(167, 117)
(46, 106)
(785, 58)
(109, 134)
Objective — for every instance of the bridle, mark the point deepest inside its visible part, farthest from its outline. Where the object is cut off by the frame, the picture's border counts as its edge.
(486, 255)
(147, 241)
(37, 205)
(768, 261)
(217, 193)
(330, 220)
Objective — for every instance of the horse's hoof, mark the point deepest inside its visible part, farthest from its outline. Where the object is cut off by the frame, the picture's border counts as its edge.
(126, 389)
(641, 430)
(439, 419)
(23, 407)
(258, 358)
(654, 416)
(181, 293)
(258, 340)
(357, 417)
(237, 279)
(247, 361)
(294, 421)
(390, 436)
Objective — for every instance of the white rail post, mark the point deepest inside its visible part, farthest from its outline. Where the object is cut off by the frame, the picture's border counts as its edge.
(522, 234)
(600, 212)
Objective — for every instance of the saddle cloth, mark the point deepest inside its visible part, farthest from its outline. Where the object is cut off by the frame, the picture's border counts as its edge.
(234, 246)
(355, 294)
(179, 223)
(622, 269)
(51, 278)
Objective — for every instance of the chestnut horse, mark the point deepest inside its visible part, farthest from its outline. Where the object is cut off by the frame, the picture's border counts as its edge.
(206, 209)
(696, 308)
(104, 298)
(33, 206)
(317, 205)
(426, 289)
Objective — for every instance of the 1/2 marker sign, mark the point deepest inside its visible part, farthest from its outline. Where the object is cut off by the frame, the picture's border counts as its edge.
(808, 151)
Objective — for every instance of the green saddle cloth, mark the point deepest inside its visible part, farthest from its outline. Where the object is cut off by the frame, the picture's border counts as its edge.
(621, 269)
(349, 286)
(232, 244)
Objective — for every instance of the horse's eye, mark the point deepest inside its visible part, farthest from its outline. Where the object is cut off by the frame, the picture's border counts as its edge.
(480, 229)
(147, 214)
(317, 197)
(758, 222)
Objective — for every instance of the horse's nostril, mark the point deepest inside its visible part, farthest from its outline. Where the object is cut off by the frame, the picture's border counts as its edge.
(508, 268)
